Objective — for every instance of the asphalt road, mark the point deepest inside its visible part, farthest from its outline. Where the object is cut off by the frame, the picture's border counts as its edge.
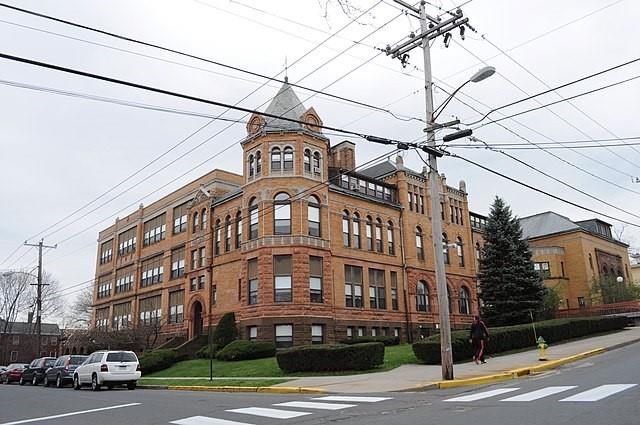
(599, 390)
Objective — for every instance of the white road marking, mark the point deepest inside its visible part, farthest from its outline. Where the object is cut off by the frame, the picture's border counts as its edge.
(353, 399)
(205, 420)
(314, 405)
(64, 415)
(269, 413)
(598, 393)
(484, 394)
(543, 392)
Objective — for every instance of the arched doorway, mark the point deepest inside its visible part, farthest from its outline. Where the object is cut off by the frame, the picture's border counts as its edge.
(197, 319)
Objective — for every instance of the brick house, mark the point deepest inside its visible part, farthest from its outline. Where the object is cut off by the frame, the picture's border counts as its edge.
(298, 260)
(18, 343)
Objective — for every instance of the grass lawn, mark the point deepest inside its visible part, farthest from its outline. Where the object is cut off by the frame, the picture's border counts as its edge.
(214, 383)
(394, 356)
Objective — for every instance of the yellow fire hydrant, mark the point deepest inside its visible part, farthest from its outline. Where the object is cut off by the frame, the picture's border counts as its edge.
(542, 345)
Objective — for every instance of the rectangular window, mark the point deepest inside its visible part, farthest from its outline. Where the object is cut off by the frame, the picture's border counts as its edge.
(127, 241)
(218, 237)
(361, 331)
(379, 237)
(124, 279)
(104, 287)
(176, 307)
(238, 231)
(394, 290)
(155, 230)
(282, 278)
(192, 284)
(152, 271)
(421, 204)
(369, 236)
(202, 257)
(543, 269)
(252, 277)
(180, 218)
(390, 245)
(201, 281)
(350, 332)
(14, 356)
(284, 336)
(356, 233)
(253, 223)
(374, 331)
(227, 239)
(106, 252)
(581, 302)
(194, 259)
(150, 311)
(346, 240)
(252, 333)
(214, 294)
(377, 289)
(315, 279)
(410, 201)
(317, 334)
(177, 263)
(353, 286)
(121, 316)
(16, 340)
(102, 318)
(396, 332)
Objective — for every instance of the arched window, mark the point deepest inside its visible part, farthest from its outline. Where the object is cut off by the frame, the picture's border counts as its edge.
(276, 159)
(316, 163)
(422, 296)
(194, 224)
(204, 218)
(445, 248)
(307, 161)
(419, 244)
(379, 235)
(227, 234)
(218, 237)
(282, 214)
(313, 216)
(369, 233)
(478, 251)
(288, 158)
(390, 243)
(356, 231)
(251, 165)
(460, 251)
(258, 163)
(253, 219)
(238, 229)
(464, 301)
(346, 240)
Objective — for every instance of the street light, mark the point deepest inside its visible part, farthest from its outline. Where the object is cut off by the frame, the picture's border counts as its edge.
(481, 74)
(620, 279)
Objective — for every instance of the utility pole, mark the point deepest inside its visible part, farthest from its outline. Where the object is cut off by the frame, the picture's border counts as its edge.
(40, 245)
(429, 31)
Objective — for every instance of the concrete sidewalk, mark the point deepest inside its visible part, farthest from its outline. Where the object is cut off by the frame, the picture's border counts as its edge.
(415, 377)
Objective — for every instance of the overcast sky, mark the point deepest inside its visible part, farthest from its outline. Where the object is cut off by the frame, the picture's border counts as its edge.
(58, 152)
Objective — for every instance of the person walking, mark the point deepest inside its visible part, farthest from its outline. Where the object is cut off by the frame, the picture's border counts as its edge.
(478, 336)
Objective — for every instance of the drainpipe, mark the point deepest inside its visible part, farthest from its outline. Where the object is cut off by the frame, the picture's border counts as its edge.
(404, 278)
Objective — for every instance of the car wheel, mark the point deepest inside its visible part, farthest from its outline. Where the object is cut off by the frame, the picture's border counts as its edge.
(34, 380)
(76, 382)
(58, 381)
(95, 386)
(46, 381)
(21, 381)
(131, 386)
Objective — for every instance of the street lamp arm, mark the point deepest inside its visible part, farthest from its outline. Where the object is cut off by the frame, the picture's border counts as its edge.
(444, 104)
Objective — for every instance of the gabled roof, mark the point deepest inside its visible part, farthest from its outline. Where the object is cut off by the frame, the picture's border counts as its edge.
(546, 223)
(284, 104)
(25, 328)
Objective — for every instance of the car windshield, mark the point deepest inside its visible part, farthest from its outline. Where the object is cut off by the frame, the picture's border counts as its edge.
(121, 356)
(75, 360)
(15, 366)
(49, 362)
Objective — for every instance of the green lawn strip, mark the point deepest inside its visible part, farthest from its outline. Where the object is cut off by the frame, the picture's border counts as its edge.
(213, 383)
(395, 356)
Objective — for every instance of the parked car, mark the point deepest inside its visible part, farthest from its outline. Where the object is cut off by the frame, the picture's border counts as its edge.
(108, 368)
(34, 373)
(13, 373)
(61, 372)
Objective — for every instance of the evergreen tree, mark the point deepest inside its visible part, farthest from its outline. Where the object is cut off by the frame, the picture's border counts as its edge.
(510, 287)
(226, 331)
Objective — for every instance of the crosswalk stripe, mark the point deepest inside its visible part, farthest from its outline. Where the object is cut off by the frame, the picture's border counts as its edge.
(538, 394)
(484, 394)
(269, 413)
(205, 420)
(353, 399)
(598, 393)
(314, 405)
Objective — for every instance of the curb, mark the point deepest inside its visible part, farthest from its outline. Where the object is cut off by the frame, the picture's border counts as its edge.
(233, 389)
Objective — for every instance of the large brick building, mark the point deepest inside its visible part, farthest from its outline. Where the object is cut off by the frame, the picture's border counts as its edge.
(19, 343)
(303, 247)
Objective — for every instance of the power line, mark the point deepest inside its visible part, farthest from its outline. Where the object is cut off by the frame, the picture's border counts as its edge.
(524, 147)
(565, 142)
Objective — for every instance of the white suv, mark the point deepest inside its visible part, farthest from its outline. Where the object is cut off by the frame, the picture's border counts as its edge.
(108, 368)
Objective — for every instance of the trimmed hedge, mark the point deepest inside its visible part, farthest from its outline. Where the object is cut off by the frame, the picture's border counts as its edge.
(386, 340)
(203, 353)
(246, 350)
(156, 360)
(331, 358)
(507, 338)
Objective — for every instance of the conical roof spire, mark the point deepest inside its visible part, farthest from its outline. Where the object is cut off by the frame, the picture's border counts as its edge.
(285, 104)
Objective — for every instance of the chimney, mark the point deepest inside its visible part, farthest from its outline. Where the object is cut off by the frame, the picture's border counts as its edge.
(343, 155)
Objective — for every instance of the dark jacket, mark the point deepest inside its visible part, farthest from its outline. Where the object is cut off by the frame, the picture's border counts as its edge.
(479, 331)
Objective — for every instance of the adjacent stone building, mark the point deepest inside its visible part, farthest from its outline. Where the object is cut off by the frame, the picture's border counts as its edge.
(304, 246)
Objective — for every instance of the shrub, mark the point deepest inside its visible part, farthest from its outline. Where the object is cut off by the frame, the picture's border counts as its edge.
(226, 331)
(156, 360)
(203, 353)
(386, 340)
(515, 337)
(327, 358)
(245, 350)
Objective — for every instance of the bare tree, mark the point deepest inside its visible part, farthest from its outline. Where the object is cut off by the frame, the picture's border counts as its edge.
(79, 313)
(14, 289)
